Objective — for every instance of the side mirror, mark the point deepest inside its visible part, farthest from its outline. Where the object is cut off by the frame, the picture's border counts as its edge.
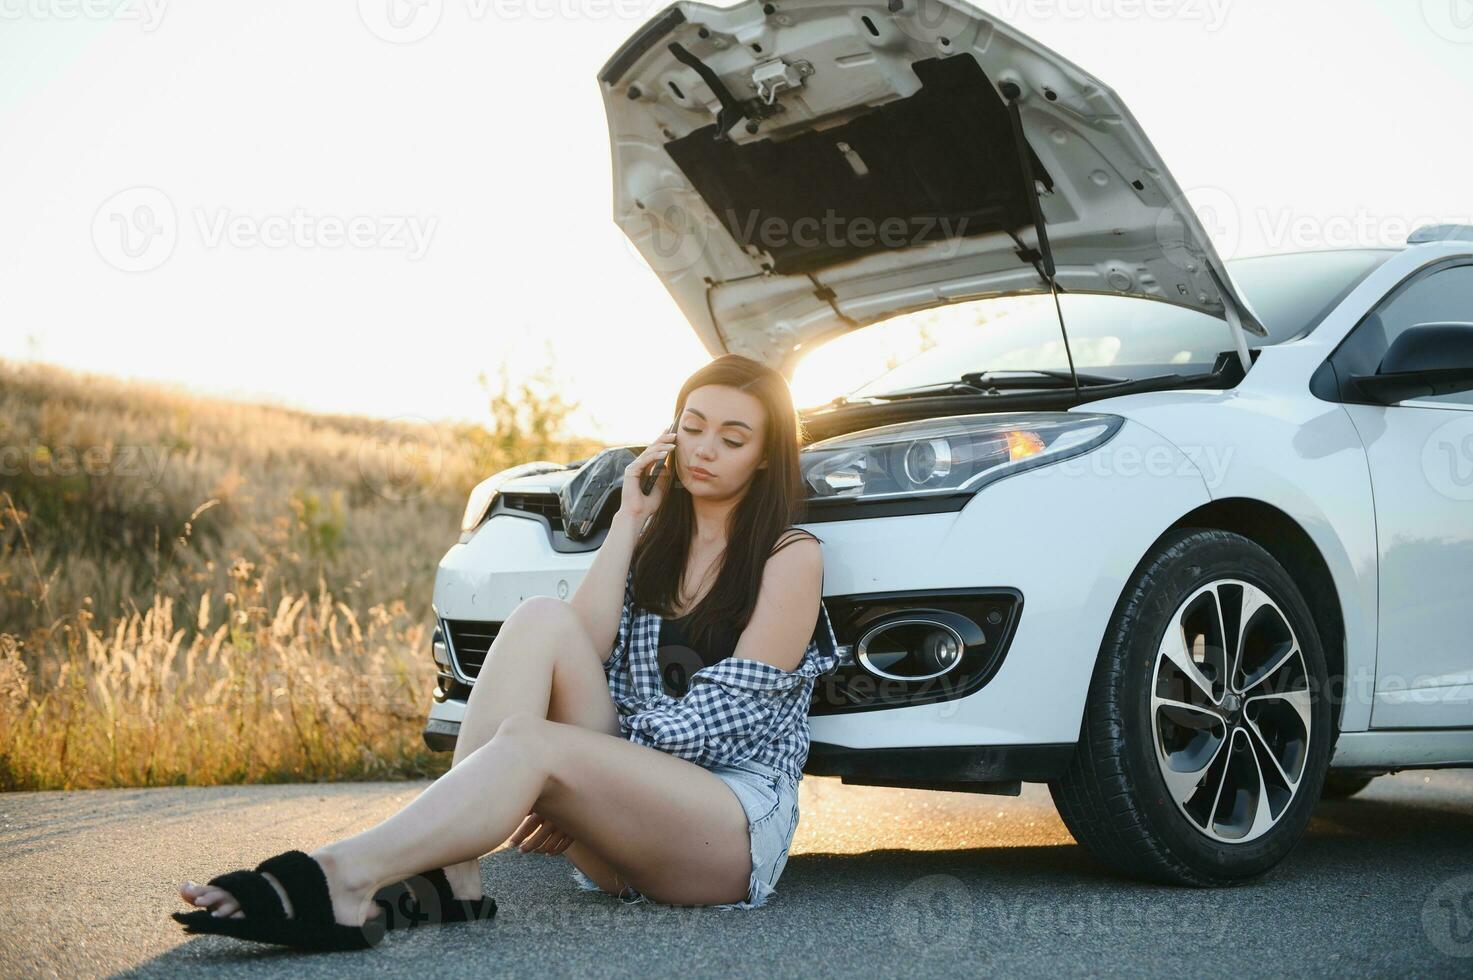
(1427, 359)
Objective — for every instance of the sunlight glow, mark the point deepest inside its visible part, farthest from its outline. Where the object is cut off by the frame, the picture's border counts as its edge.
(857, 358)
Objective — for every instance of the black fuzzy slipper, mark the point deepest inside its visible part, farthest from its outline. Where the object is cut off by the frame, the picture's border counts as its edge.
(311, 925)
(428, 899)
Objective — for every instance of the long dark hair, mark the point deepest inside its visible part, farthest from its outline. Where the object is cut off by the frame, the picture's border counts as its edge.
(773, 500)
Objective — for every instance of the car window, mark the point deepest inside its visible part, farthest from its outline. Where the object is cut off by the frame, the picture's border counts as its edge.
(1109, 334)
(1442, 296)
(1294, 291)
(1131, 337)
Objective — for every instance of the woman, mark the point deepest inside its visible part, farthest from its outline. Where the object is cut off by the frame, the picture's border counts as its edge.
(671, 774)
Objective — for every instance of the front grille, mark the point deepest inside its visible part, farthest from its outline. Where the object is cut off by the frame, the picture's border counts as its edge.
(542, 504)
(470, 639)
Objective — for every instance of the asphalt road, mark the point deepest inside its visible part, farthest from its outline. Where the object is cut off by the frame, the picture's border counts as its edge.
(878, 879)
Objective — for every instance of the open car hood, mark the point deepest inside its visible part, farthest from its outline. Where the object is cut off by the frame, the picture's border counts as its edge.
(794, 170)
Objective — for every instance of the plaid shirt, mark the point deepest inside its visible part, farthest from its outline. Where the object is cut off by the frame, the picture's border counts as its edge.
(736, 709)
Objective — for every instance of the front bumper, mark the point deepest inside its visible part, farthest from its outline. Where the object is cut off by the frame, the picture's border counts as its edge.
(997, 769)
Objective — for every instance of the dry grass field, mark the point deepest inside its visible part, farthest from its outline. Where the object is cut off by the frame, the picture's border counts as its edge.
(198, 591)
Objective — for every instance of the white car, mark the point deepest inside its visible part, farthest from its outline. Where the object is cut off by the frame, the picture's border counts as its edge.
(1193, 556)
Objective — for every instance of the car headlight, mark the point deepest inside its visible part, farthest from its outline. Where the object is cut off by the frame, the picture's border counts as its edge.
(484, 494)
(939, 457)
(584, 498)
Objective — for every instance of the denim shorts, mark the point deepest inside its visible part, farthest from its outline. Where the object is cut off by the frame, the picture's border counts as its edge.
(770, 797)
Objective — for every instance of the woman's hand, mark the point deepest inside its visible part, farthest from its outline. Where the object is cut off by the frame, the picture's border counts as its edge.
(635, 504)
(538, 835)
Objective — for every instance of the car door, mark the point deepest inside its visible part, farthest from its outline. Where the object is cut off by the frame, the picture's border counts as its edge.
(1420, 454)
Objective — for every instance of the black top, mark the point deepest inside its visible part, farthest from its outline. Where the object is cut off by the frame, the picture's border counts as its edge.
(678, 659)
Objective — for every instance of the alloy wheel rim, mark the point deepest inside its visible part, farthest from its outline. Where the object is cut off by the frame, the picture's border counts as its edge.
(1230, 711)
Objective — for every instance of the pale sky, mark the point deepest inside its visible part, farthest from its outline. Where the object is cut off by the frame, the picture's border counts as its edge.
(358, 218)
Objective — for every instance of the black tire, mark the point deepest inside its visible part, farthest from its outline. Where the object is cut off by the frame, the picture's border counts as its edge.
(1114, 797)
(1342, 785)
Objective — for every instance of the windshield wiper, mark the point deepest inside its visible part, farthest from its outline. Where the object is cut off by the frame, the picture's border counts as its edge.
(993, 379)
(989, 383)
(983, 382)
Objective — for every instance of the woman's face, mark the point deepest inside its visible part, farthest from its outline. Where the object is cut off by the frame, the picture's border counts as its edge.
(721, 431)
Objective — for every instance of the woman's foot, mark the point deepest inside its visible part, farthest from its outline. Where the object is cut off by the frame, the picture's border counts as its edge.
(352, 903)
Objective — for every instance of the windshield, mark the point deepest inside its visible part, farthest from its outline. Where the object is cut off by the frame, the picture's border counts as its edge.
(1123, 336)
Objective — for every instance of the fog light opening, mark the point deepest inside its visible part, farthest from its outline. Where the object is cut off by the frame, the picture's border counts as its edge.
(910, 649)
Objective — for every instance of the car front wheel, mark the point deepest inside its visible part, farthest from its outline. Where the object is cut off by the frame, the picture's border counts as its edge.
(1207, 730)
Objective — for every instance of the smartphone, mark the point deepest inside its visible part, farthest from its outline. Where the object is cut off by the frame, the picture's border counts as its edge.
(648, 483)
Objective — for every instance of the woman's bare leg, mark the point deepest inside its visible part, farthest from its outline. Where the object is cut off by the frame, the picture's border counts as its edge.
(544, 663)
(542, 660)
(669, 827)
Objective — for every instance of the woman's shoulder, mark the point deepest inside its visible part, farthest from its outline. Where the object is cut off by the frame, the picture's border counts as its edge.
(791, 534)
(798, 569)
